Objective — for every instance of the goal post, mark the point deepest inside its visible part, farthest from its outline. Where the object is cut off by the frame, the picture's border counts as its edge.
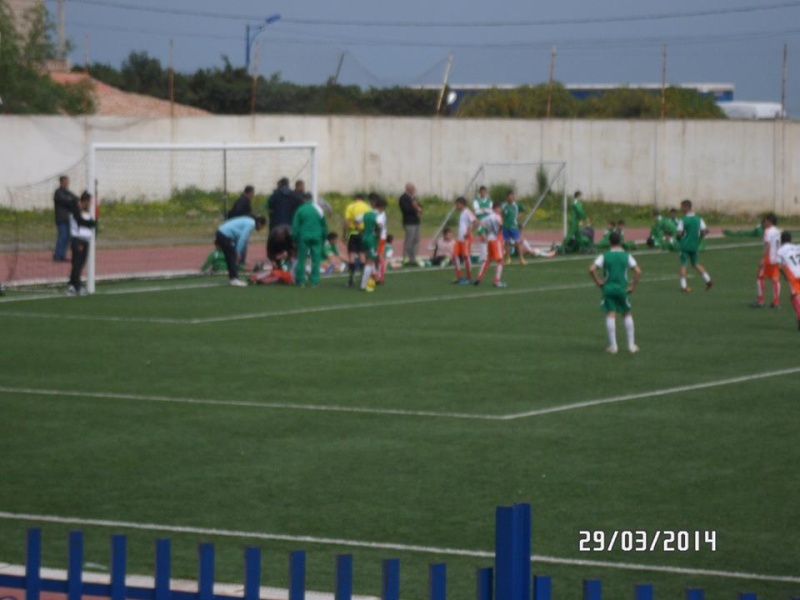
(536, 183)
(158, 204)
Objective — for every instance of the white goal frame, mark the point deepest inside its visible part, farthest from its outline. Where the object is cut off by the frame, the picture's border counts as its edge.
(91, 170)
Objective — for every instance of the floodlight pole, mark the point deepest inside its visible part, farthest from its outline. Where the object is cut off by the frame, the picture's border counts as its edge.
(251, 32)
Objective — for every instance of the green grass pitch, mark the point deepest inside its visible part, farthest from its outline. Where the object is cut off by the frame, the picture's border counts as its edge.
(387, 418)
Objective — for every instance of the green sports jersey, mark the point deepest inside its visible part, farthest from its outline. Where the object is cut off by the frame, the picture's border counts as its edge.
(691, 226)
(370, 220)
(328, 249)
(576, 212)
(481, 207)
(615, 263)
(510, 215)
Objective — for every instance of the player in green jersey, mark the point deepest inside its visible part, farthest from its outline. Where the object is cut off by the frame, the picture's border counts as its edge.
(481, 208)
(309, 229)
(369, 240)
(511, 235)
(691, 231)
(616, 290)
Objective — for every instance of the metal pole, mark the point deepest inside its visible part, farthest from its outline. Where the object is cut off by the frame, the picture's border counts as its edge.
(247, 47)
(444, 83)
(550, 88)
(783, 82)
(664, 82)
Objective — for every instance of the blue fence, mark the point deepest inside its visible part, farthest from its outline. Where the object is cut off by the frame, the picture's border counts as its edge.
(510, 579)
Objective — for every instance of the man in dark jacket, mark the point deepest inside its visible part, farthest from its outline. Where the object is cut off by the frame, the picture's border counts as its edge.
(65, 204)
(243, 207)
(281, 205)
(412, 213)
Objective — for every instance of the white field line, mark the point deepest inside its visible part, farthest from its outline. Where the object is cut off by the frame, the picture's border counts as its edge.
(246, 404)
(308, 539)
(93, 318)
(652, 394)
(402, 412)
(173, 288)
(311, 309)
(403, 302)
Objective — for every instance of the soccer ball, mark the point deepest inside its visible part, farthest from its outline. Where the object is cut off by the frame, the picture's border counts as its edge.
(370, 285)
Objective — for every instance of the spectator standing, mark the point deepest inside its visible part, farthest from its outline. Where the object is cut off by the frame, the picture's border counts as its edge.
(65, 203)
(243, 207)
(281, 205)
(412, 217)
(81, 227)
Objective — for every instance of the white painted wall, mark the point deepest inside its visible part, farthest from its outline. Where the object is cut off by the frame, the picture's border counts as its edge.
(722, 165)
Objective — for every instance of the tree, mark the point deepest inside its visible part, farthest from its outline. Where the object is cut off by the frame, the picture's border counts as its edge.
(24, 88)
(524, 102)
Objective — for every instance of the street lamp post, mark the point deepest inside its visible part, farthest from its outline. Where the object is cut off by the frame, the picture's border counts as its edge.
(252, 31)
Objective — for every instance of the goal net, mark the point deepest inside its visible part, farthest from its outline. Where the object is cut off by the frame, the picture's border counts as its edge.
(157, 205)
(540, 188)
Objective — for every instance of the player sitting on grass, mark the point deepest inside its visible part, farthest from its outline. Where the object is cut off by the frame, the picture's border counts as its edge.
(492, 227)
(461, 252)
(768, 267)
(215, 262)
(789, 260)
(662, 232)
(616, 290)
(691, 231)
(443, 248)
(330, 254)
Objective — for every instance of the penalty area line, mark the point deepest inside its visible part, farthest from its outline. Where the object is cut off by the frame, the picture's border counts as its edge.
(411, 548)
(652, 393)
(245, 404)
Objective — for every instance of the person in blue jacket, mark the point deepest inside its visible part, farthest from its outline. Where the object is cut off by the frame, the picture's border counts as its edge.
(232, 238)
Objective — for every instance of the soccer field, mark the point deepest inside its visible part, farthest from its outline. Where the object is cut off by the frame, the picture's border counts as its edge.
(392, 424)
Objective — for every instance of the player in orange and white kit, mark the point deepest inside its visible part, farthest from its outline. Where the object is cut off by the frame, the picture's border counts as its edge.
(380, 222)
(768, 267)
(466, 221)
(789, 262)
(493, 226)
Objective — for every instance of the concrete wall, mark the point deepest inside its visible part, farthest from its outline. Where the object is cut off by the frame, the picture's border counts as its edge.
(722, 165)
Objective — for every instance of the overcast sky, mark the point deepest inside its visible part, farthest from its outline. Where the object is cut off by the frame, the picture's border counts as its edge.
(504, 41)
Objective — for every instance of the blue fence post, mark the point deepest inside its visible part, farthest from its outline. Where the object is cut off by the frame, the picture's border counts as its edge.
(748, 596)
(252, 574)
(694, 594)
(643, 591)
(297, 575)
(75, 569)
(163, 569)
(542, 587)
(503, 554)
(522, 548)
(437, 581)
(484, 583)
(205, 575)
(119, 560)
(592, 589)
(33, 565)
(390, 584)
(344, 577)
